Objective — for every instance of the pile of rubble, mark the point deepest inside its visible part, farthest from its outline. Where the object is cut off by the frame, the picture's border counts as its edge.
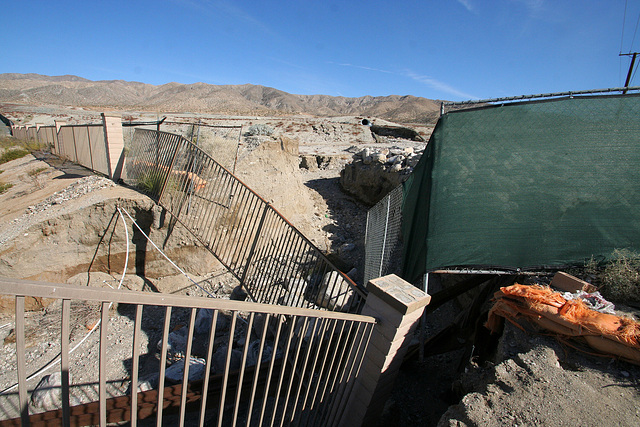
(375, 172)
(73, 191)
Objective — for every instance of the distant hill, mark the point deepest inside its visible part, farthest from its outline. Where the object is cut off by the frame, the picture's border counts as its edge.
(201, 97)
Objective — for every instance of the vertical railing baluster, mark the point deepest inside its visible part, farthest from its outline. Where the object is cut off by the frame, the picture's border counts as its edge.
(207, 372)
(135, 365)
(253, 245)
(276, 342)
(104, 325)
(163, 364)
(256, 374)
(64, 360)
(225, 380)
(23, 398)
(187, 359)
(243, 367)
(285, 358)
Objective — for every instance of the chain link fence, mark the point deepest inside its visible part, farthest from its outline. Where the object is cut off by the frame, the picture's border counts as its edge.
(218, 141)
(383, 240)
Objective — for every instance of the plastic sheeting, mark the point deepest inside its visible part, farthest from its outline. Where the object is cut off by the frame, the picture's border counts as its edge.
(526, 186)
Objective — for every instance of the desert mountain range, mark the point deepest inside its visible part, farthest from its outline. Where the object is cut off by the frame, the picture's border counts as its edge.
(247, 99)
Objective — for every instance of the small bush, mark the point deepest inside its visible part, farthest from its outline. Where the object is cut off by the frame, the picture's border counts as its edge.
(4, 187)
(151, 182)
(36, 172)
(259, 129)
(621, 277)
(10, 155)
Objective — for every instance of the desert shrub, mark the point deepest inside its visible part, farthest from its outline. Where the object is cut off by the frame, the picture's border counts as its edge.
(259, 129)
(620, 277)
(151, 182)
(36, 172)
(17, 153)
(4, 187)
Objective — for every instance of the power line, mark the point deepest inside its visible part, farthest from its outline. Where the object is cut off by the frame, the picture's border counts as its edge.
(634, 33)
(624, 19)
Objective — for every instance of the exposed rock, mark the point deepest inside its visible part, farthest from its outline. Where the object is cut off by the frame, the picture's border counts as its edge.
(48, 393)
(370, 180)
(309, 163)
(203, 321)
(219, 360)
(368, 183)
(334, 284)
(197, 368)
(254, 352)
(397, 132)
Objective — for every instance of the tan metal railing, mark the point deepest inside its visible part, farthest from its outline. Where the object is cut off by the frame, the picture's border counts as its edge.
(275, 263)
(261, 364)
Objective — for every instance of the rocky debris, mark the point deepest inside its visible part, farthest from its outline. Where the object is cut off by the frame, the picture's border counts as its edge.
(316, 162)
(334, 292)
(197, 366)
(373, 172)
(77, 189)
(47, 208)
(48, 393)
(396, 132)
(531, 368)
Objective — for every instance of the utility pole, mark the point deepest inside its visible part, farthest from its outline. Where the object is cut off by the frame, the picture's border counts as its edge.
(633, 61)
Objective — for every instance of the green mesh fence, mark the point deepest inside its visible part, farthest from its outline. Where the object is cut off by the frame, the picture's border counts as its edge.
(526, 185)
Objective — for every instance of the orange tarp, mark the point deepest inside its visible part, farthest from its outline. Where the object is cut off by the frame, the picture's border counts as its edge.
(607, 333)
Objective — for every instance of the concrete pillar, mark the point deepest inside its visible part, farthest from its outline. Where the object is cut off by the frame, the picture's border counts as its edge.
(397, 306)
(114, 141)
(38, 126)
(56, 144)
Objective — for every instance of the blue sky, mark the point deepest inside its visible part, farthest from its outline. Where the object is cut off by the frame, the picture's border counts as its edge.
(447, 49)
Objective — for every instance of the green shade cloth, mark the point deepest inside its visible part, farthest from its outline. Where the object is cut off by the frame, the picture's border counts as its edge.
(526, 186)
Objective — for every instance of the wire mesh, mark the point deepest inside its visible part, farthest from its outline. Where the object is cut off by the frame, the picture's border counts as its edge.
(221, 142)
(383, 238)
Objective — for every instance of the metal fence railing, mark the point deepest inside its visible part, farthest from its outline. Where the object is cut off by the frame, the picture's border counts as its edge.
(274, 262)
(221, 141)
(383, 236)
(216, 360)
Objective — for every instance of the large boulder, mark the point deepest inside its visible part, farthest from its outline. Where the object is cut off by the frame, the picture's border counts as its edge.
(334, 292)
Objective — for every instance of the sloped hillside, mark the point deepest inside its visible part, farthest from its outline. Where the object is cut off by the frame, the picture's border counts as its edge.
(201, 97)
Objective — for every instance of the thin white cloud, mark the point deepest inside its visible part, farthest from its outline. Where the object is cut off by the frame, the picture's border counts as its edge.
(439, 86)
(535, 8)
(426, 80)
(364, 68)
(468, 5)
(230, 9)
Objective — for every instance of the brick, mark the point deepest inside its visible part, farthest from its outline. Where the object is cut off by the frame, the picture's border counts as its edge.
(569, 283)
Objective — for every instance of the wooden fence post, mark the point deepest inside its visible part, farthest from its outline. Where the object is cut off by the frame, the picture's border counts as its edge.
(397, 306)
(114, 142)
(57, 147)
